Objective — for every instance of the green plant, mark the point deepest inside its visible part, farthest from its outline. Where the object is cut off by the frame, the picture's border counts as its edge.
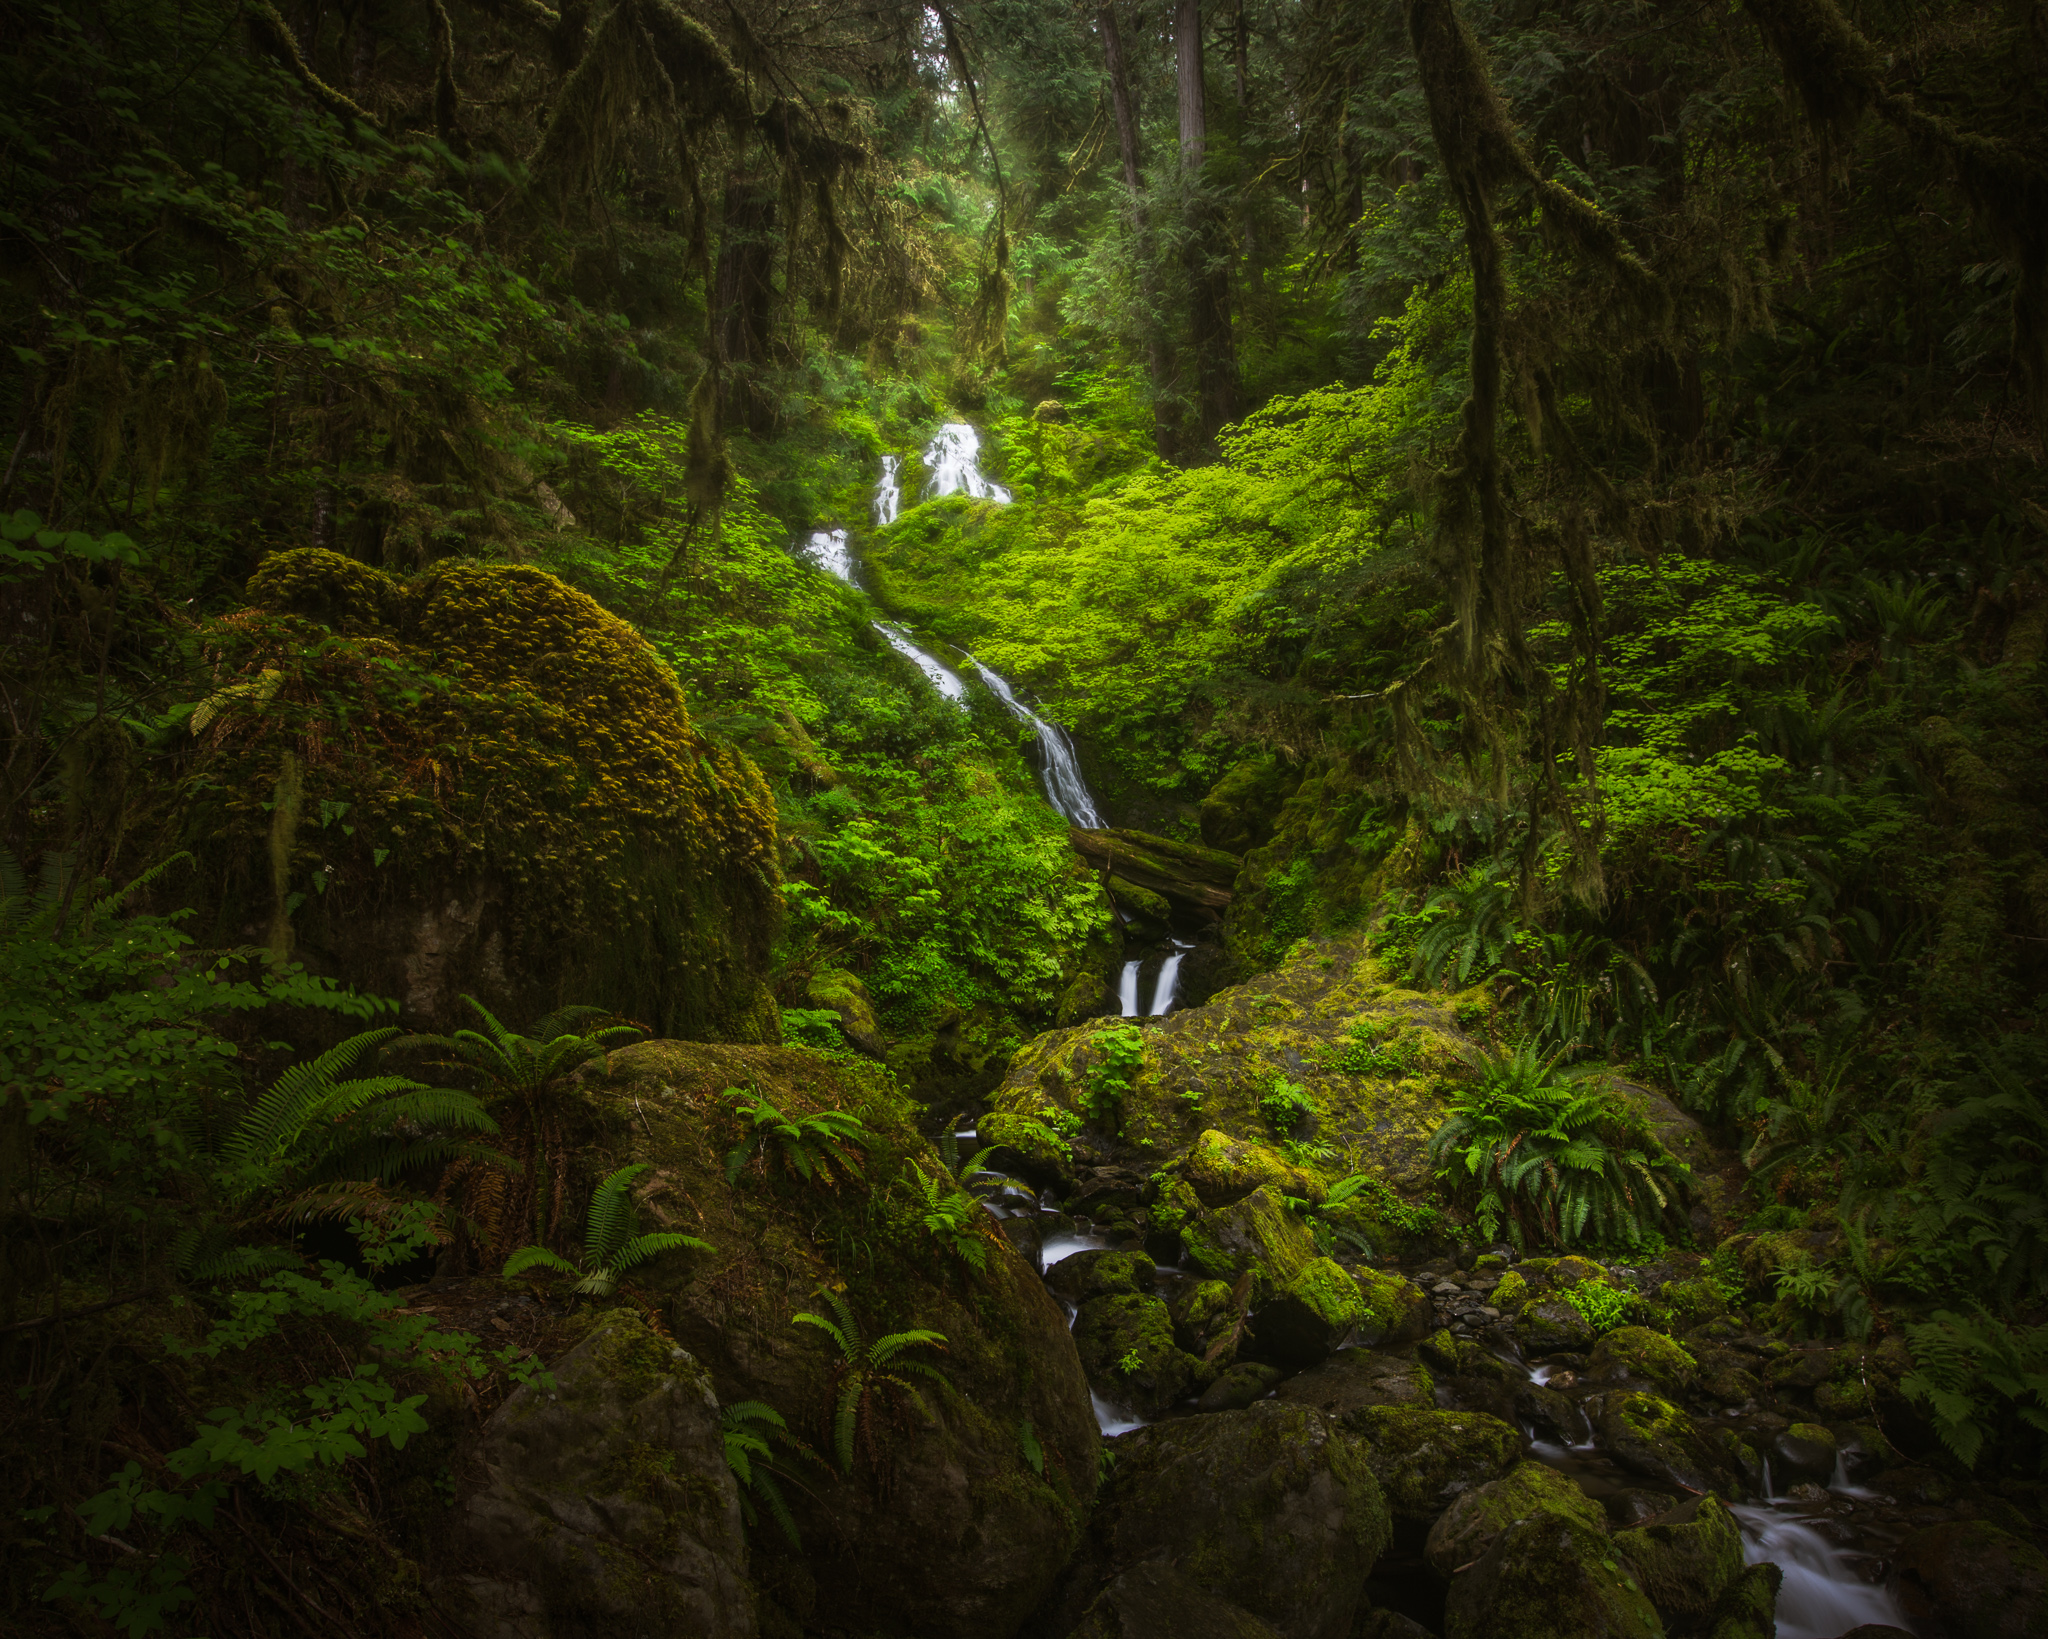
(1545, 1155)
(751, 1431)
(1034, 1453)
(610, 1246)
(509, 1065)
(1980, 1380)
(810, 1145)
(1119, 1051)
(1374, 1047)
(1131, 1362)
(868, 1370)
(1604, 1307)
(953, 1218)
(1285, 1105)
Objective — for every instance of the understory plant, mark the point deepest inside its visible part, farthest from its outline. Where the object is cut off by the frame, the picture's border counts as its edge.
(752, 1430)
(811, 1146)
(1544, 1154)
(610, 1244)
(953, 1218)
(1981, 1380)
(871, 1376)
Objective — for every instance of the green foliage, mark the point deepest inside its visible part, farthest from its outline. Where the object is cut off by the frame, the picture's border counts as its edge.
(1286, 1105)
(610, 1244)
(811, 1146)
(508, 1065)
(868, 1372)
(752, 1431)
(1374, 1047)
(1119, 1054)
(1604, 1307)
(1547, 1157)
(953, 1218)
(1981, 1380)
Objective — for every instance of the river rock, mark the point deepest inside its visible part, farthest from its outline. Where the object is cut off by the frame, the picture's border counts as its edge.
(1977, 1581)
(1749, 1605)
(605, 1501)
(1550, 1576)
(1552, 1326)
(1397, 1310)
(1083, 1275)
(1464, 1531)
(1223, 1169)
(1318, 1309)
(1273, 1508)
(1685, 1559)
(1206, 1314)
(1805, 1451)
(1547, 1408)
(1427, 1459)
(1127, 1349)
(1652, 1437)
(946, 1526)
(1239, 1386)
(1257, 1236)
(1352, 1379)
(1155, 1600)
(1637, 1354)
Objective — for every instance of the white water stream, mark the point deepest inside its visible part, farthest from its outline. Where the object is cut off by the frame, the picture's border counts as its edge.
(888, 492)
(952, 464)
(1821, 1596)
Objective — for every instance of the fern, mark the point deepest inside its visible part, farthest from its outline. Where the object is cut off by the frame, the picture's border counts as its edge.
(1978, 1378)
(751, 1431)
(811, 1146)
(953, 1219)
(866, 1371)
(610, 1244)
(508, 1064)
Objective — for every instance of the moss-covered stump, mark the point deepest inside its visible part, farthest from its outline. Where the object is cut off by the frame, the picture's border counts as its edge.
(1550, 1576)
(476, 781)
(1685, 1559)
(1637, 1354)
(1426, 1459)
(1370, 1055)
(1272, 1508)
(1127, 1349)
(1650, 1436)
(1353, 1379)
(1157, 1601)
(958, 1513)
(602, 1504)
(1464, 1531)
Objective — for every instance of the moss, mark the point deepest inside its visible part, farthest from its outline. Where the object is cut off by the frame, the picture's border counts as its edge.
(1424, 1458)
(1127, 1348)
(1511, 1293)
(1692, 1302)
(1564, 1273)
(1397, 1310)
(1334, 1296)
(1749, 1605)
(1256, 1236)
(1638, 1352)
(1475, 1520)
(1550, 1576)
(1686, 1564)
(1223, 1169)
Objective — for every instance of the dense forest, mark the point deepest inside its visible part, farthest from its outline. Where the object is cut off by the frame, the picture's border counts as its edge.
(1081, 821)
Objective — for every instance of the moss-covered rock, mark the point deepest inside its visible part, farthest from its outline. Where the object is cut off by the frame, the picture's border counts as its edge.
(1804, 1451)
(1511, 1293)
(1203, 1313)
(477, 781)
(1426, 1459)
(1550, 1576)
(1635, 1353)
(1093, 1274)
(1223, 1169)
(605, 1499)
(1397, 1311)
(1273, 1508)
(1552, 1326)
(1465, 1530)
(1648, 1435)
(1127, 1349)
(1353, 1379)
(946, 1525)
(1312, 1315)
(845, 995)
(1155, 1600)
(1976, 1581)
(1256, 1236)
(1239, 1386)
(1749, 1607)
(1685, 1559)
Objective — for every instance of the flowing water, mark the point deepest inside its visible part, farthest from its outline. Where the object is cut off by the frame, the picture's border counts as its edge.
(1065, 789)
(888, 492)
(952, 463)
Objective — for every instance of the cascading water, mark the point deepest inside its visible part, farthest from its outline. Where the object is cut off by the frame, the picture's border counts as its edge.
(1065, 789)
(1821, 1596)
(1167, 986)
(832, 551)
(952, 460)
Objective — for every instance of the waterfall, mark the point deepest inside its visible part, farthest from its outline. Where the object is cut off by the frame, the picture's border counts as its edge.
(1065, 789)
(888, 493)
(1821, 1595)
(1167, 986)
(952, 460)
(947, 682)
(1127, 990)
(832, 551)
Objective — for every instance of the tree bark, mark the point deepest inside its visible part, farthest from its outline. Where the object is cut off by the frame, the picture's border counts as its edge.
(1160, 365)
(1207, 254)
(743, 297)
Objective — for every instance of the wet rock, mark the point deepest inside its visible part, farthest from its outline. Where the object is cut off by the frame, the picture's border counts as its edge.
(1397, 1310)
(1099, 1272)
(1464, 1531)
(1637, 1354)
(1805, 1451)
(1127, 1349)
(1801, 1368)
(1840, 1401)
(1256, 1236)
(1550, 1576)
(605, 1501)
(1633, 1507)
(1978, 1581)
(1155, 1600)
(1239, 1386)
(1650, 1436)
(1427, 1459)
(1274, 1509)
(1538, 1403)
(1204, 1312)
(1748, 1606)
(1725, 1377)
(845, 995)
(1685, 1559)
(1439, 1351)
(1023, 1233)
(1355, 1378)
(1223, 1169)
(1547, 1325)
(1319, 1309)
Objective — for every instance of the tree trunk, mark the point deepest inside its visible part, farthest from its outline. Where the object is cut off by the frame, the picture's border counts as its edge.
(1159, 359)
(1207, 257)
(743, 297)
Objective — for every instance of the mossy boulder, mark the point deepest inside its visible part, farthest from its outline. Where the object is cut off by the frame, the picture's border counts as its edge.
(1316, 1311)
(1353, 1379)
(1203, 1313)
(1511, 1292)
(1637, 1354)
(1239, 1386)
(1223, 1169)
(1685, 1559)
(1804, 1451)
(1155, 1600)
(605, 1501)
(1373, 1056)
(1552, 1326)
(1648, 1435)
(845, 995)
(945, 1526)
(1273, 1508)
(1127, 1349)
(1093, 1274)
(1426, 1459)
(1976, 1581)
(1550, 1576)
(476, 781)
(1397, 1310)
(1256, 1236)
(1749, 1609)
(1464, 1531)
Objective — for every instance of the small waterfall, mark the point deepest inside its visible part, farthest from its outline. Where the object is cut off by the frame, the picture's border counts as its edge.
(946, 682)
(1127, 990)
(832, 551)
(888, 493)
(1167, 985)
(1822, 1596)
(1065, 789)
(953, 460)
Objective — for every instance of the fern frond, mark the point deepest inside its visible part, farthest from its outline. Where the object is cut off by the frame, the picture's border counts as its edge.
(537, 1257)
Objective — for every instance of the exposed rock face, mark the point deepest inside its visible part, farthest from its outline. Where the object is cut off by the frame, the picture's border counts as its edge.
(604, 1503)
(475, 781)
(1356, 1378)
(946, 1526)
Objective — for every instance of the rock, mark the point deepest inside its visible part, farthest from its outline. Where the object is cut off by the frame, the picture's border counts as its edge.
(1206, 1314)
(1650, 1436)
(945, 1527)
(1549, 1325)
(835, 988)
(1083, 1275)
(1439, 1351)
(1549, 1576)
(1388, 1625)
(606, 1501)
(1540, 1404)
(1352, 1379)
(1801, 1368)
(1427, 1459)
(1256, 1236)
(1273, 1508)
(1464, 1531)
(1977, 1581)
(1223, 1169)
(1635, 1353)
(1239, 1386)
(1511, 1292)
(1841, 1401)
(1633, 1507)
(1725, 1377)
(1024, 1234)
(1685, 1559)
(1127, 1349)
(1320, 1307)
(1397, 1310)
(1155, 1600)
(1805, 1451)
(1749, 1605)
(1141, 902)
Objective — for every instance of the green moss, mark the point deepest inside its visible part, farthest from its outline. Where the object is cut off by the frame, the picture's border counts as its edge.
(1330, 1294)
(1638, 1352)
(1397, 1310)
(1511, 1293)
(1256, 1236)
(1424, 1458)
(1475, 1520)
(1223, 1169)
(1686, 1565)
